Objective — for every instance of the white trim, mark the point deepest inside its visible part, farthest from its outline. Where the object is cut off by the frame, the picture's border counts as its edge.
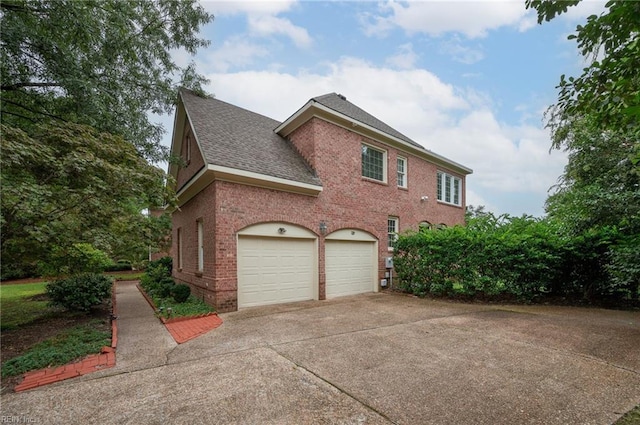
(441, 179)
(351, 235)
(217, 172)
(405, 173)
(200, 225)
(397, 230)
(385, 162)
(272, 230)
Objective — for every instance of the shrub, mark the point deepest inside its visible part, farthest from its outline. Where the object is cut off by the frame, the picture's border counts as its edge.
(119, 267)
(164, 288)
(75, 259)
(80, 292)
(181, 293)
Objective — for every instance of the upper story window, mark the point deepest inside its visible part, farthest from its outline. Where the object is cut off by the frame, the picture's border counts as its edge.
(392, 232)
(188, 153)
(374, 163)
(402, 172)
(449, 188)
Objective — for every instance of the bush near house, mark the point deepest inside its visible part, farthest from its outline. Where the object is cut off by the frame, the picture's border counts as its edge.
(171, 300)
(80, 292)
(523, 258)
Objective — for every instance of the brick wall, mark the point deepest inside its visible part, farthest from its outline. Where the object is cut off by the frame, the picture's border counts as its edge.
(347, 201)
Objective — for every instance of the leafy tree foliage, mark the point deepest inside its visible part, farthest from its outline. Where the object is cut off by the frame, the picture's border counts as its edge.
(609, 88)
(597, 120)
(103, 63)
(67, 184)
(78, 79)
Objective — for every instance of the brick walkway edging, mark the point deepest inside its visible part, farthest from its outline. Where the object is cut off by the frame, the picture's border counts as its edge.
(94, 362)
(184, 329)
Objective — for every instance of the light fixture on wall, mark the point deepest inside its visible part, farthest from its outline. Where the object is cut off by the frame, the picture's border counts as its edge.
(424, 198)
(282, 230)
(323, 227)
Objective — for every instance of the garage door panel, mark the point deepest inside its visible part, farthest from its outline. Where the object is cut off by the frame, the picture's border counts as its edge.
(350, 267)
(275, 270)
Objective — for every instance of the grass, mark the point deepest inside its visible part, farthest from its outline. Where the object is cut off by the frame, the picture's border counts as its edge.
(192, 307)
(39, 335)
(18, 307)
(67, 346)
(632, 417)
(126, 276)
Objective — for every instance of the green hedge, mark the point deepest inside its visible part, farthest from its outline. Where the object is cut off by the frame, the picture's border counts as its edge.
(516, 257)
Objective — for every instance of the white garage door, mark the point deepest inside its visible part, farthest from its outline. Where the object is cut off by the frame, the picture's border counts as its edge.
(275, 270)
(350, 267)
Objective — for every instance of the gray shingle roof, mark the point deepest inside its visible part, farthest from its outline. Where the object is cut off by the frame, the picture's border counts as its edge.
(234, 137)
(340, 104)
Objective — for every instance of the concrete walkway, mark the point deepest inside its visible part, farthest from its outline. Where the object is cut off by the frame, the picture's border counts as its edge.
(143, 341)
(369, 359)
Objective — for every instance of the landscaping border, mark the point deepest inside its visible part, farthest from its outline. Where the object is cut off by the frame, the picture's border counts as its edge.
(92, 363)
(185, 328)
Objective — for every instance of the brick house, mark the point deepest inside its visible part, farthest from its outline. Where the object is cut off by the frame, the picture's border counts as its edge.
(272, 212)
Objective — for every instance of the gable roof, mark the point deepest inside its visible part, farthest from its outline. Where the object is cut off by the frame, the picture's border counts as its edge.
(338, 110)
(234, 137)
(340, 104)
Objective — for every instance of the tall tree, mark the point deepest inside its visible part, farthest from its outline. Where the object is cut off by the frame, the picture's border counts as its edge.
(103, 63)
(608, 89)
(78, 79)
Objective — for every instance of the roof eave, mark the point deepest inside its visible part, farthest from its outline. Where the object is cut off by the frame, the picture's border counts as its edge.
(314, 109)
(211, 173)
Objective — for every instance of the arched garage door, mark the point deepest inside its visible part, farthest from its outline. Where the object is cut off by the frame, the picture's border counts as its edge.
(351, 262)
(277, 263)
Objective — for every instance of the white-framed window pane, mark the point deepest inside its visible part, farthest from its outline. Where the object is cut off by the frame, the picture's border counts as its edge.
(200, 246)
(447, 188)
(392, 231)
(456, 191)
(179, 238)
(372, 163)
(402, 172)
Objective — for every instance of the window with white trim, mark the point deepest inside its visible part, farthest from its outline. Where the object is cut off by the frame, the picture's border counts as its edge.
(449, 189)
(179, 239)
(374, 163)
(188, 149)
(200, 245)
(402, 172)
(392, 232)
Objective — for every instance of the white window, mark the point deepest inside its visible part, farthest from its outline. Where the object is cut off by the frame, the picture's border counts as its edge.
(392, 232)
(200, 246)
(402, 172)
(424, 226)
(179, 238)
(374, 163)
(449, 188)
(188, 149)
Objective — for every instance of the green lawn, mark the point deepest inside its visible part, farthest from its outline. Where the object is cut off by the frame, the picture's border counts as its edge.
(18, 308)
(74, 335)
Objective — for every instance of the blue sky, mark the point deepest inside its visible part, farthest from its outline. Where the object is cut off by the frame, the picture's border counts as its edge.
(469, 80)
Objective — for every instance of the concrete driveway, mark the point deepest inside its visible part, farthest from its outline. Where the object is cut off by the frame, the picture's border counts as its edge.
(370, 359)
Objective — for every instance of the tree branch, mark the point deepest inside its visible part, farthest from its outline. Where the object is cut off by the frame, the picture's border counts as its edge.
(17, 86)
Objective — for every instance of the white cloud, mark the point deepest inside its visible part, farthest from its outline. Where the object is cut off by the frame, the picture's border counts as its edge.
(265, 25)
(405, 58)
(235, 52)
(461, 53)
(471, 18)
(263, 19)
